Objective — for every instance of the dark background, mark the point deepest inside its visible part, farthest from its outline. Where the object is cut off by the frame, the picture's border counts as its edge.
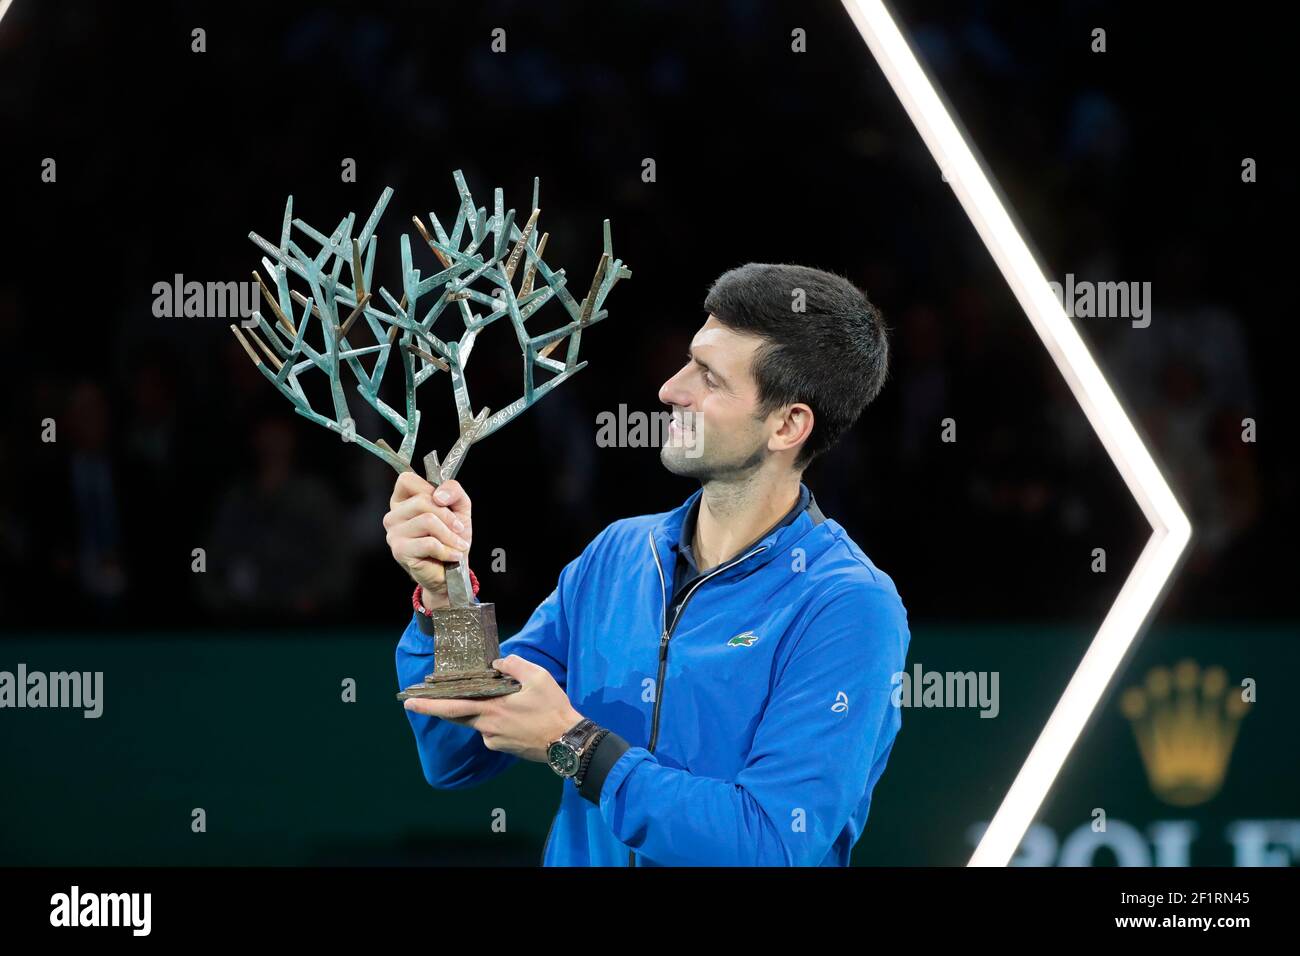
(1121, 166)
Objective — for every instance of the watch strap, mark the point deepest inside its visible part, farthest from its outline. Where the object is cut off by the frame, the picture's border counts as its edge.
(579, 735)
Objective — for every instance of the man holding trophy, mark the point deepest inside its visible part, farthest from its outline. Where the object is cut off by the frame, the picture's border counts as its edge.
(716, 680)
(713, 684)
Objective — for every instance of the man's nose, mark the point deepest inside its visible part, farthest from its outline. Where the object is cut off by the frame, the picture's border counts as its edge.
(671, 392)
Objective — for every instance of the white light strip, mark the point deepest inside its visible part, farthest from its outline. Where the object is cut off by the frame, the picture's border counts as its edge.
(1171, 529)
(4, 7)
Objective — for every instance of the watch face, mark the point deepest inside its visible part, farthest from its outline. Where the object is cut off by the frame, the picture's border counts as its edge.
(562, 758)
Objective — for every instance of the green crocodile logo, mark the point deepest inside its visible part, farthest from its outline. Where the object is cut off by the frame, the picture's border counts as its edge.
(743, 639)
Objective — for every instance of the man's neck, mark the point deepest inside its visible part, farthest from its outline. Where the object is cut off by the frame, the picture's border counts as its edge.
(733, 514)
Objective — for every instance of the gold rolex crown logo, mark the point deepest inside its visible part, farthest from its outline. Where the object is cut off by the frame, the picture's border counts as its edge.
(1186, 724)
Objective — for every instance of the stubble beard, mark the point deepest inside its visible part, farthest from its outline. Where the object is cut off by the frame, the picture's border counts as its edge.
(706, 469)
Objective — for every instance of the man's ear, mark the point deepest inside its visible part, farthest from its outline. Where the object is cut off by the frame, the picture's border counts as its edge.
(796, 426)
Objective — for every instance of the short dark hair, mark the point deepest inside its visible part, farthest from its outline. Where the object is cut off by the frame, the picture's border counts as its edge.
(833, 355)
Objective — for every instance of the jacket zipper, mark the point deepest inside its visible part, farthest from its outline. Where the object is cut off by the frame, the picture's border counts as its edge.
(668, 633)
(547, 842)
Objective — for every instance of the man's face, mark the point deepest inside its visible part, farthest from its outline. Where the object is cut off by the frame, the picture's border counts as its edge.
(714, 399)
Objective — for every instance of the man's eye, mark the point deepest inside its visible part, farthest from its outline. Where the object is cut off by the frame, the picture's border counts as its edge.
(708, 380)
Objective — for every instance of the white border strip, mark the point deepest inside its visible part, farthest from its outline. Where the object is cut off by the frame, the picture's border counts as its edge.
(1171, 528)
(4, 7)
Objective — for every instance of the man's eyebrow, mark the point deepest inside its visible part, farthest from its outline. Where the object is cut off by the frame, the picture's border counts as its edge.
(690, 354)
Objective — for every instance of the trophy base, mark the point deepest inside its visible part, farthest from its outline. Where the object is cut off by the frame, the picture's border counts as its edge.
(472, 686)
(465, 644)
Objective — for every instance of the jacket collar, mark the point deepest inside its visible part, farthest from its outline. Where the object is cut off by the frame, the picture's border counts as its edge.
(667, 532)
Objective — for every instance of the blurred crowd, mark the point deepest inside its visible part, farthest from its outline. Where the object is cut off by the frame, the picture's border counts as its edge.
(180, 487)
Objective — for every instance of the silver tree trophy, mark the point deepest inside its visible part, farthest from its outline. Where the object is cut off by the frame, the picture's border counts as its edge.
(465, 641)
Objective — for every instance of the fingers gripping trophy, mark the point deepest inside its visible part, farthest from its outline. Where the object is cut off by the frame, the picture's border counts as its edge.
(320, 331)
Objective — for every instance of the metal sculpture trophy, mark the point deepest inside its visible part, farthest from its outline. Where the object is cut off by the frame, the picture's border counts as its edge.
(465, 641)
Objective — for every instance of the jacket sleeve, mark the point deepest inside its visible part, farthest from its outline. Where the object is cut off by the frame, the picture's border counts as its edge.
(829, 715)
(452, 755)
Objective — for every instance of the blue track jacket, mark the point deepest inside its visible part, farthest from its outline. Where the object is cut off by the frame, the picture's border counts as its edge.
(763, 738)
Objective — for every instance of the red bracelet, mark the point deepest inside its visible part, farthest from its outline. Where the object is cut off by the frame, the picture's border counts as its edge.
(419, 607)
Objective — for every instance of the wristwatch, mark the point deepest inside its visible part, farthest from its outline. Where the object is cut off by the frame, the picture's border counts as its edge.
(565, 754)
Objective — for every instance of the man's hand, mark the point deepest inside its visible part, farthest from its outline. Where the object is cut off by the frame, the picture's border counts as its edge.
(523, 723)
(427, 526)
